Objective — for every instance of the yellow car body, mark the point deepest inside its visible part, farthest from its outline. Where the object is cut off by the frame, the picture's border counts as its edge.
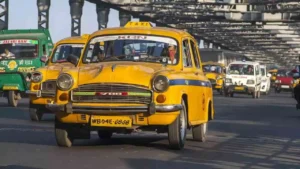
(127, 95)
(43, 91)
(273, 72)
(215, 76)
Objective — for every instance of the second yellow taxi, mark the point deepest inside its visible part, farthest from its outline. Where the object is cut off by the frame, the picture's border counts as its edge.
(43, 80)
(144, 78)
(215, 72)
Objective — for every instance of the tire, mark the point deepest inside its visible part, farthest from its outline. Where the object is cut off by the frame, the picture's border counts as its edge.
(12, 98)
(62, 136)
(178, 129)
(258, 94)
(199, 132)
(254, 95)
(104, 134)
(35, 114)
(231, 94)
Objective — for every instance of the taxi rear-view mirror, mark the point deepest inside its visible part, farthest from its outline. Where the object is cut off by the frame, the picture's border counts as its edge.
(72, 59)
(44, 59)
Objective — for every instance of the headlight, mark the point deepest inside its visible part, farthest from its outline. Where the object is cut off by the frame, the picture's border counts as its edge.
(277, 81)
(36, 77)
(293, 81)
(64, 81)
(250, 81)
(160, 83)
(228, 81)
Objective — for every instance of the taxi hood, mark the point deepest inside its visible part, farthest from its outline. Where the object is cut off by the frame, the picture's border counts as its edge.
(139, 73)
(284, 79)
(211, 75)
(52, 71)
(239, 79)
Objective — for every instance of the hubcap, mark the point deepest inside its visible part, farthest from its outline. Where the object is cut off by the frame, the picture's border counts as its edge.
(182, 125)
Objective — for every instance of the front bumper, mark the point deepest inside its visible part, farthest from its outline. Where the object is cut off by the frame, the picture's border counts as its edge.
(34, 93)
(113, 110)
(239, 89)
(283, 87)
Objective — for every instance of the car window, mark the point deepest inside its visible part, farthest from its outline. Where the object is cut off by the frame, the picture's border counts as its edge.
(195, 55)
(186, 54)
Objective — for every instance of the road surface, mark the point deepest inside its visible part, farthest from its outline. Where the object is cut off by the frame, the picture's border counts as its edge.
(246, 133)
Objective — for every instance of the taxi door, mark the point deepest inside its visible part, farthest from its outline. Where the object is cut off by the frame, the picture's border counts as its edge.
(192, 83)
(203, 90)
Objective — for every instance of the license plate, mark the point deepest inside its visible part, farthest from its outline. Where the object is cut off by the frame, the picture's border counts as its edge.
(10, 88)
(285, 86)
(111, 121)
(239, 88)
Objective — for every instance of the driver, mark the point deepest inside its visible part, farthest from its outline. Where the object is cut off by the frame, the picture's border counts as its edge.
(172, 53)
(250, 70)
(7, 54)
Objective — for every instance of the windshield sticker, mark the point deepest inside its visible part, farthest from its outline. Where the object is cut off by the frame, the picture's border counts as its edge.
(134, 37)
(12, 65)
(20, 41)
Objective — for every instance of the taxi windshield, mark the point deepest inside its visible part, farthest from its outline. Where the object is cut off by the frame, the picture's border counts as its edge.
(241, 69)
(284, 73)
(212, 68)
(61, 52)
(18, 49)
(263, 72)
(143, 48)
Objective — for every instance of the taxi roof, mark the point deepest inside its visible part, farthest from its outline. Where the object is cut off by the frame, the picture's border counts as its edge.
(74, 39)
(245, 62)
(161, 31)
(212, 63)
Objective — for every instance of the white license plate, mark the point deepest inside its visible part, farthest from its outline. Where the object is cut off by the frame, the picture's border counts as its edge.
(285, 86)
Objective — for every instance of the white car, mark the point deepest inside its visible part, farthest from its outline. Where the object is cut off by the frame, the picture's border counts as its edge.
(243, 77)
(265, 80)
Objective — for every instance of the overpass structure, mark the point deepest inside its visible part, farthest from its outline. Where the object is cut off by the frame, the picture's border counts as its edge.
(264, 30)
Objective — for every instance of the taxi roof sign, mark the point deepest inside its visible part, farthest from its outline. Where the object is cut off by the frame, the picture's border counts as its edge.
(138, 24)
(85, 36)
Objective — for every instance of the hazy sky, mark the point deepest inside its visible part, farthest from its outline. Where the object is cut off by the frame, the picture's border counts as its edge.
(23, 14)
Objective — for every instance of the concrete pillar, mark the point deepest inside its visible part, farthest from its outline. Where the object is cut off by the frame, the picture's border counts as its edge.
(102, 16)
(43, 13)
(76, 13)
(4, 14)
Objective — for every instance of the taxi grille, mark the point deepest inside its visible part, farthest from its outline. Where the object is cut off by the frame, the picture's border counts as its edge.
(48, 88)
(111, 93)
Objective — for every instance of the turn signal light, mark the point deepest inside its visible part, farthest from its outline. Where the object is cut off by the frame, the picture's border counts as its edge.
(160, 98)
(63, 97)
(36, 87)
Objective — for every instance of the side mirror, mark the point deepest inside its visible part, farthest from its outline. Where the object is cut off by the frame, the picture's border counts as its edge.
(269, 75)
(72, 59)
(294, 71)
(44, 59)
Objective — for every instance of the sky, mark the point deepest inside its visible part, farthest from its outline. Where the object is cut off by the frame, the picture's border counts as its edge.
(23, 14)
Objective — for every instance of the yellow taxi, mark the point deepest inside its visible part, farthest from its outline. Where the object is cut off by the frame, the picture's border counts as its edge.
(214, 71)
(145, 78)
(43, 80)
(273, 72)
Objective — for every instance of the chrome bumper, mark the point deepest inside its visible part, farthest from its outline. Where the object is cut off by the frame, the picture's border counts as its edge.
(108, 110)
(34, 93)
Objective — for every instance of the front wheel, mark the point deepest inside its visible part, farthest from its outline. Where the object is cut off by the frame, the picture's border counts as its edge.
(13, 97)
(62, 136)
(35, 114)
(177, 130)
(199, 132)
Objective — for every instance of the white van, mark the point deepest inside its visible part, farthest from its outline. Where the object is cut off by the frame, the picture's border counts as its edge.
(265, 80)
(243, 77)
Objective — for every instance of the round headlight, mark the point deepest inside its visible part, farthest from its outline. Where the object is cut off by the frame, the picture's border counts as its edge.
(64, 82)
(36, 77)
(160, 83)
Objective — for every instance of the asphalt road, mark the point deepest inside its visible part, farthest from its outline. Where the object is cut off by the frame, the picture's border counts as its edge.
(246, 133)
